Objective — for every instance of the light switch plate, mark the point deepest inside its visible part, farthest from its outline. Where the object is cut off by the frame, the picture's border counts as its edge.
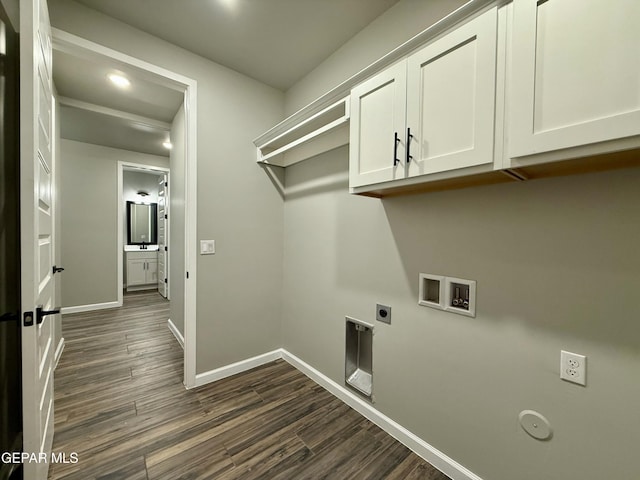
(207, 247)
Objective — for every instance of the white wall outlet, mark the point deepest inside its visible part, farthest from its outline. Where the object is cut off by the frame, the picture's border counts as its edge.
(573, 367)
(207, 247)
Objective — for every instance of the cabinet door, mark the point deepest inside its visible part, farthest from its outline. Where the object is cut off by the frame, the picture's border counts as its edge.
(152, 271)
(378, 109)
(451, 98)
(136, 272)
(576, 73)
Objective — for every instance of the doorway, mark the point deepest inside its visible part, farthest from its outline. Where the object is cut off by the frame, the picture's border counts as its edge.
(181, 279)
(143, 228)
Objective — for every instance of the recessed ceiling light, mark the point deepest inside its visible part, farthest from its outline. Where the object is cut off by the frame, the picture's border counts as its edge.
(167, 145)
(119, 80)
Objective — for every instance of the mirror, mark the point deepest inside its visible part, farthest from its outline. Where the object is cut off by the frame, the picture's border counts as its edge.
(142, 223)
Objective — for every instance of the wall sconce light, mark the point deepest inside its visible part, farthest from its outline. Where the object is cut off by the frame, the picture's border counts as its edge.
(143, 196)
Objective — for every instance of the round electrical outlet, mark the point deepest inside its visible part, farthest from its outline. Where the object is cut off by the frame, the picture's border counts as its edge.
(535, 424)
(383, 313)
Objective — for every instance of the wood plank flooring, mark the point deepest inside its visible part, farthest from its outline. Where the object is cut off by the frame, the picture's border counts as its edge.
(121, 407)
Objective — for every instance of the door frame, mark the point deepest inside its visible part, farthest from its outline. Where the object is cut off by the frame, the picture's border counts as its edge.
(130, 167)
(72, 44)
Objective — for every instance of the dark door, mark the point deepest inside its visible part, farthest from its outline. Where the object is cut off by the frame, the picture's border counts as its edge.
(10, 341)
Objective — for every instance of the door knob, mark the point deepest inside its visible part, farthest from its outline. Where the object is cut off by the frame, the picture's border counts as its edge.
(41, 313)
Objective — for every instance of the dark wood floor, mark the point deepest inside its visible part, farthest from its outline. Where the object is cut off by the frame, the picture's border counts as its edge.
(121, 406)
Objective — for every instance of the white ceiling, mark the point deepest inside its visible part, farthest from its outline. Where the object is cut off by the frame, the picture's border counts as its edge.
(86, 80)
(274, 41)
(103, 114)
(110, 131)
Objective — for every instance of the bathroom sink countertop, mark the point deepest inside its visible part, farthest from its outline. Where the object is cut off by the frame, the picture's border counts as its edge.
(136, 248)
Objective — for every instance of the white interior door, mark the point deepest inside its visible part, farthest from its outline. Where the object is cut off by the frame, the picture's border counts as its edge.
(36, 212)
(163, 277)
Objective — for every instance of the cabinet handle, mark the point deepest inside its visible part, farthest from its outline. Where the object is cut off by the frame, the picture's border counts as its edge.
(409, 137)
(396, 160)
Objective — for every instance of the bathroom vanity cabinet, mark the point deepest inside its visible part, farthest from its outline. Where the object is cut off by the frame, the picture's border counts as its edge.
(142, 270)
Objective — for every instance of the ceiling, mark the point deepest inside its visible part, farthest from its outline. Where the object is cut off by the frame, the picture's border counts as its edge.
(274, 41)
(111, 131)
(86, 80)
(137, 118)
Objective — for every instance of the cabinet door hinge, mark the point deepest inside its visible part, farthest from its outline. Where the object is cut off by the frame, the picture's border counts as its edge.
(166, 281)
(166, 184)
(166, 249)
(166, 216)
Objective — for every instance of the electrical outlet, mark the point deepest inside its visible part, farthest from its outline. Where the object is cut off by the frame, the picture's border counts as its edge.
(573, 367)
(383, 313)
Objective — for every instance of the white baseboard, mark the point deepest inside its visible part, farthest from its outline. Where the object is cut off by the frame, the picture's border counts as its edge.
(238, 367)
(90, 308)
(58, 354)
(435, 457)
(176, 332)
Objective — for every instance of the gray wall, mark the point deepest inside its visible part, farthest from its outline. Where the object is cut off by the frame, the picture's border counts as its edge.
(133, 182)
(176, 223)
(557, 268)
(394, 27)
(239, 288)
(88, 206)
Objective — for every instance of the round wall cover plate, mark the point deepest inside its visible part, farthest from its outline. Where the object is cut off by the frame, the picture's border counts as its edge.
(535, 425)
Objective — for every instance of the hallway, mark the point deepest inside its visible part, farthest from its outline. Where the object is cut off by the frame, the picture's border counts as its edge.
(122, 408)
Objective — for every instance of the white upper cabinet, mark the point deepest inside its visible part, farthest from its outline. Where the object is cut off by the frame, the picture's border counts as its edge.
(451, 99)
(575, 74)
(377, 129)
(433, 112)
